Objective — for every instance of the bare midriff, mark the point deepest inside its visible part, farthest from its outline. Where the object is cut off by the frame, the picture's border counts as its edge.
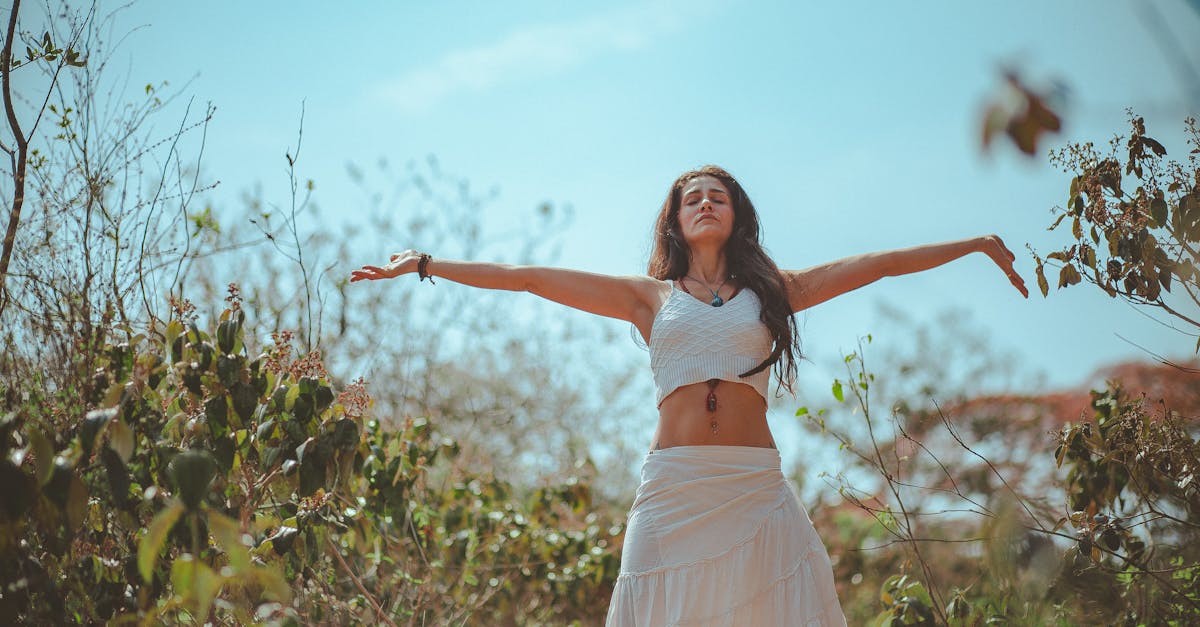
(740, 416)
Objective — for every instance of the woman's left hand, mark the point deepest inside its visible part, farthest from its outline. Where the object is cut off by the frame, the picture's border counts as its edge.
(995, 248)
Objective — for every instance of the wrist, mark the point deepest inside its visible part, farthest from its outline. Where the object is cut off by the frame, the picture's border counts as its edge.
(983, 244)
(423, 271)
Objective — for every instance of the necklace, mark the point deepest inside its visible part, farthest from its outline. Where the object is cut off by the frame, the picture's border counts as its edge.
(716, 301)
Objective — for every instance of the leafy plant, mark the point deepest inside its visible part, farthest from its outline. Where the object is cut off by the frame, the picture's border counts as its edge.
(1135, 222)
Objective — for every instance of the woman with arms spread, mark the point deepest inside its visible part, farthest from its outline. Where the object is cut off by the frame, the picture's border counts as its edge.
(716, 535)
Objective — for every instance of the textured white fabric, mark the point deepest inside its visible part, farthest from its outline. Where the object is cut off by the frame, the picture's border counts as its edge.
(691, 341)
(717, 537)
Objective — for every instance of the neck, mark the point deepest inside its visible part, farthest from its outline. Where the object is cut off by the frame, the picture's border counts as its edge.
(708, 266)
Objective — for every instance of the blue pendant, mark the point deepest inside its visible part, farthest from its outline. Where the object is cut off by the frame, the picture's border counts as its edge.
(717, 301)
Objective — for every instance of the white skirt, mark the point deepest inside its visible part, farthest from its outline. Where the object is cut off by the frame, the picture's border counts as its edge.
(717, 536)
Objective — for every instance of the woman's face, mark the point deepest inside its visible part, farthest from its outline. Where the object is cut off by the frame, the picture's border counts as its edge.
(705, 211)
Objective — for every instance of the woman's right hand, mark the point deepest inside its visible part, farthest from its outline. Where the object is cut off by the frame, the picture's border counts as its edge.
(399, 263)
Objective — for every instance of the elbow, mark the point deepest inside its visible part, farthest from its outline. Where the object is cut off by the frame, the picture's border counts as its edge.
(524, 279)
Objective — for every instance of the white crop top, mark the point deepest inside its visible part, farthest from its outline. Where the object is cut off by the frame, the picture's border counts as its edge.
(692, 341)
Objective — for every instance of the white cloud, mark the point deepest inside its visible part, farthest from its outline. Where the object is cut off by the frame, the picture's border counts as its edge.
(532, 52)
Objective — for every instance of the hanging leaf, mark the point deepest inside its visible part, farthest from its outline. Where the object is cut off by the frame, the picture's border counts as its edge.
(192, 471)
(118, 476)
(1068, 276)
(1041, 279)
(151, 544)
(283, 539)
(245, 399)
(1088, 254)
(120, 439)
(92, 425)
(20, 491)
(837, 390)
(1158, 148)
(1158, 211)
(43, 454)
(216, 413)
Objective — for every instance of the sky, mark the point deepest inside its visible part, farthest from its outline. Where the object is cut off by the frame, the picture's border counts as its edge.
(853, 126)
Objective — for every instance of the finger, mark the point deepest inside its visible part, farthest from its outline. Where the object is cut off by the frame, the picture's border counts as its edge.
(1019, 283)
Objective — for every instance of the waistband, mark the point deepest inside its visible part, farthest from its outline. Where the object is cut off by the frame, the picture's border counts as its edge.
(719, 453)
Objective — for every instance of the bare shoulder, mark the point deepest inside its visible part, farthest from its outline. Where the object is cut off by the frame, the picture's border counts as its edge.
(650, 291)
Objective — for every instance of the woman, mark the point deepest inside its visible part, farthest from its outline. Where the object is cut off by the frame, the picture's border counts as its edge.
(716, 535)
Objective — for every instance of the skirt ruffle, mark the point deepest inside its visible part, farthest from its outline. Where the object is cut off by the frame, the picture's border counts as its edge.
(717, 536)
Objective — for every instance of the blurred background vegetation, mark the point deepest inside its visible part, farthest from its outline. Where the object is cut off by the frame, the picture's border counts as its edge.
(183, 437)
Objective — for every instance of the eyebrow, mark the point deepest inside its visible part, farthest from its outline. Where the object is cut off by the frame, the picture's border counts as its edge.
(695, 190)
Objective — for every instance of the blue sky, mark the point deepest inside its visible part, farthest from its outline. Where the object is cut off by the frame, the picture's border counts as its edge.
(853, 126)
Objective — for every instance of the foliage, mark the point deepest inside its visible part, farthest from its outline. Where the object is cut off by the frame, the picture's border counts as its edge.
(968, 546)
(211, 485)
(1135, 223)
(1135, 508)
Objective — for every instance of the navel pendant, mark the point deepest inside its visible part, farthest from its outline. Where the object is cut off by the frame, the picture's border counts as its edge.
(711, 401)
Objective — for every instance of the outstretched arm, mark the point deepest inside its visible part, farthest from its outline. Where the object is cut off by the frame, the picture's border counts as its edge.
(623, 297)
(818, 284)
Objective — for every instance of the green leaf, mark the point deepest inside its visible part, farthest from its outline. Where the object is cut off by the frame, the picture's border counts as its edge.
(93, 423)
(118, 476)
(192, 472)
(291, 395)
(197, 582)
(803, 411)
(837, 391)
(283, 539)
(216, 413)
(228, 535)
(245, 400)
(77, 500)
(121, 439)
(43, 451)
(175, 327)
(151, 544)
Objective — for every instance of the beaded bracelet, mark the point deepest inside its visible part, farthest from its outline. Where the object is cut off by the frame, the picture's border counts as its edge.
(421, 265)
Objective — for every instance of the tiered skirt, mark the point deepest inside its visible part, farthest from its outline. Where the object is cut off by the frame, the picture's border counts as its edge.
(717, 536)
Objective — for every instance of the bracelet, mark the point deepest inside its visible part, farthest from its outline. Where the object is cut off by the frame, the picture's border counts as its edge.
(421, 265)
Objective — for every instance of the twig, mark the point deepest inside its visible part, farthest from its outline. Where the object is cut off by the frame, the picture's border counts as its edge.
(991, 466)
(361, 588)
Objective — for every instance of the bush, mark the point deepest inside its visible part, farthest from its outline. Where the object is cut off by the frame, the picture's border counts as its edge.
(206, 484)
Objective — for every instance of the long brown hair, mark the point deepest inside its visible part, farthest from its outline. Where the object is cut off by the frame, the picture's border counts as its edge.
(745, 260)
